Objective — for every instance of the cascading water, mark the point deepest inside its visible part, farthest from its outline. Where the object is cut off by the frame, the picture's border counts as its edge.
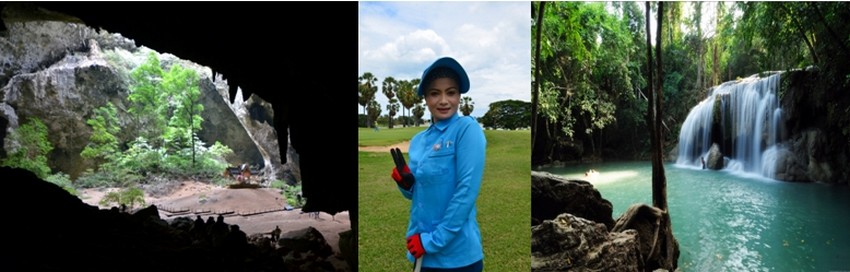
(747, 130)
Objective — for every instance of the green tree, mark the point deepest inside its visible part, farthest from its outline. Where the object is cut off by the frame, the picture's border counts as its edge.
(392, 109)
(33, 147)
(367, 89)
(407, 96)
(466, 105)
(374, 111)
(148, 102)
(181, 85)
(508, 114)
(418, 112)
(103, 145)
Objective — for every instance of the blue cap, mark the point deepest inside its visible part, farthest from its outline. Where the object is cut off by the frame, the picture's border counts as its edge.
(450, 63)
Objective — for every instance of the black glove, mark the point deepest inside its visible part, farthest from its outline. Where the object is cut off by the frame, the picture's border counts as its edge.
(401, 173)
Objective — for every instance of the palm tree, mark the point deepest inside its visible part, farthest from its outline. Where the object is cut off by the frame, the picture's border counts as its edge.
(367, 89)
(466, 105)
(392, 107)
(418, 112)
(374, 111)
(407, 96)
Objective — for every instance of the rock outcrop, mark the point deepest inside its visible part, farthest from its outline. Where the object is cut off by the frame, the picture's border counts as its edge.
(221, 124)
(806, 159)
(257, 117)
(571, 243)
(658, 247)
(715, 158)
(63, 97)
(552, 196)
(53, 68)
(36, 39)
(815, 129)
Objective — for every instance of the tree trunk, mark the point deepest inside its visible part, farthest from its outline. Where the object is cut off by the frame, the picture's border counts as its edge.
(536, 75)
(649, 82)
(659, 180)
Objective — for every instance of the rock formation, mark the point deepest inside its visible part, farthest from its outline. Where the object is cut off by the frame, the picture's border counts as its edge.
(552, 195)
(571, 243)
(658, 247)
(715, 158)
(55, 69)
(641, 240)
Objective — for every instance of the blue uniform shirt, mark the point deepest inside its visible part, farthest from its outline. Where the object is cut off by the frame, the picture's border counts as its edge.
(447, 160)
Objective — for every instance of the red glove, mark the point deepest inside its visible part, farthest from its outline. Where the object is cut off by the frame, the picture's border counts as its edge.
(401, 173)
(414, 245)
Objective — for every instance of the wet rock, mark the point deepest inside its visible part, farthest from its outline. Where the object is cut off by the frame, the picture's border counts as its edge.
(715, 158)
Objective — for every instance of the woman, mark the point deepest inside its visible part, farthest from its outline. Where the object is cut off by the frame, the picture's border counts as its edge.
(444, 177)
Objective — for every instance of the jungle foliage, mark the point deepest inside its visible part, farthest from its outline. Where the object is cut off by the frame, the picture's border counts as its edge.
(592, 90)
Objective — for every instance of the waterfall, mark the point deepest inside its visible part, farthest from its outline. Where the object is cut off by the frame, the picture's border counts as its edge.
(748, 130)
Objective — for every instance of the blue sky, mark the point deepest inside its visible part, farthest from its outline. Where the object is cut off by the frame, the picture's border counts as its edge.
(492, 40)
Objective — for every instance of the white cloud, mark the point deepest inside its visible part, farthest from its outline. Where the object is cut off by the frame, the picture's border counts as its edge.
(492, 40)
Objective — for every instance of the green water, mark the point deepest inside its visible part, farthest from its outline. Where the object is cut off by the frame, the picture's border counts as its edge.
(728, 222)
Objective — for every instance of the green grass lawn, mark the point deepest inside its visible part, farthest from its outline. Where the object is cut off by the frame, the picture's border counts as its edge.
(383, 137)
(504, 204)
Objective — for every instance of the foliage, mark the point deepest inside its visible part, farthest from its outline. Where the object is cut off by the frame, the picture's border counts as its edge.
(508, 114)
(129, 197)
(361, 120)
(591, 66)
(392, 109)
(466, 105)
(181, 85)
(292, 194)
(277, 184)
(31, 154)
(103, 144)
(374, 111)
(366, 90)
(408, 96)
(64, 181)
(418, 112)
(148, 103)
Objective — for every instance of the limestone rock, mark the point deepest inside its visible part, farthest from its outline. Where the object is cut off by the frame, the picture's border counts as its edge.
(63, 96)
(221, 124)
(552, 195)
(571, 243)
(715, 158)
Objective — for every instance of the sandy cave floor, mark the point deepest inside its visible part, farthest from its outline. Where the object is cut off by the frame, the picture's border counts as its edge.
(254, 210)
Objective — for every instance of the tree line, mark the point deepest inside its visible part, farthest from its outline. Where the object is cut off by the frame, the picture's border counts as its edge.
(401, 95)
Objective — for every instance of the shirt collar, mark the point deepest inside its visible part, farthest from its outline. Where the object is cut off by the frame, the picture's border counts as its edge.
(443, 124)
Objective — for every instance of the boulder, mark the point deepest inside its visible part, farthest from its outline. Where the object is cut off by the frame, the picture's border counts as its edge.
(571, 243)
(715, 158)
(552, 195)
(658, 248)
